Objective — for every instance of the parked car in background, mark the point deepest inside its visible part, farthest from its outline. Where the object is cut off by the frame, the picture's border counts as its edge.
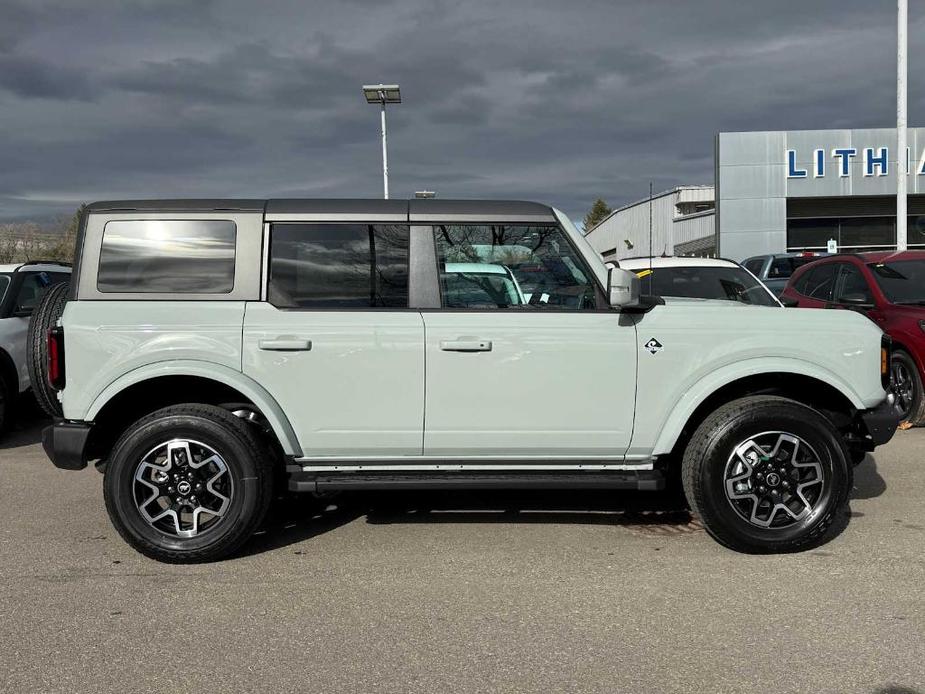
(21, 287)
(889, 288)
(699, 278)
(775, 269)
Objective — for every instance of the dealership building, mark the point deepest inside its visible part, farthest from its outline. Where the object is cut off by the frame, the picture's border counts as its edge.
(798, 190)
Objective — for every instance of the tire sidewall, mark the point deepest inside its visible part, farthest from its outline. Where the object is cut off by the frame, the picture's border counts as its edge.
(818, 434)
(119, 483)
(917, 408)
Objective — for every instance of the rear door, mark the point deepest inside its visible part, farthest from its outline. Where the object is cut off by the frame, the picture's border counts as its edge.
(335, 342)
(536, 370)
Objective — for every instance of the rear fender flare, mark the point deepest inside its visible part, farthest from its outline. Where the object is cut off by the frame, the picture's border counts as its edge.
(249, 388)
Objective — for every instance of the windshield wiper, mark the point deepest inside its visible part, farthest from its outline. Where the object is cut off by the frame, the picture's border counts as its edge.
(912, 302)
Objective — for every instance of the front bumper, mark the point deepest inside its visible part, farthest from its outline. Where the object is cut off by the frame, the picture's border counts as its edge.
(65, 443)
(877, 426)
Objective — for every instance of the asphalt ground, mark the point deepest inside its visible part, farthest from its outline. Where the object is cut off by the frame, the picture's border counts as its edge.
(462, 592)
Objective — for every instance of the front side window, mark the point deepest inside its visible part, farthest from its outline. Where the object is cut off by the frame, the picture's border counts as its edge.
(167, 256)
(853, 286)
(902, 281)
(725, 283)
(514, 266)
(338, 266)
(4, 284)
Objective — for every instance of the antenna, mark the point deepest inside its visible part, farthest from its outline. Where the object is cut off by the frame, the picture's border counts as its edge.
(649, 276)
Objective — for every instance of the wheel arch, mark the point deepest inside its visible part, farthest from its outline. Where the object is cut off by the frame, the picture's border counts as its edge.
(146, 389)
(821, 390)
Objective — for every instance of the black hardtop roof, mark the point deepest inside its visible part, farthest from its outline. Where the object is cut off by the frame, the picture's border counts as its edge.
(415, 209)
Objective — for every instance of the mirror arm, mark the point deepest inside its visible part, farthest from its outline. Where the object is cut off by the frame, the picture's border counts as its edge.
(645, 304)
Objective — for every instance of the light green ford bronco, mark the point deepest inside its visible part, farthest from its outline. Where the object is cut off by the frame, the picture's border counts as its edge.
(215, 352)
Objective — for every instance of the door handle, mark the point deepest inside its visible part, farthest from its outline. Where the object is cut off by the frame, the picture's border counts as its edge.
(465, 345)
(286, 344)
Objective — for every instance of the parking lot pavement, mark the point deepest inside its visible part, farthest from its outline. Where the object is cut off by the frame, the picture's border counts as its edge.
(460, 592)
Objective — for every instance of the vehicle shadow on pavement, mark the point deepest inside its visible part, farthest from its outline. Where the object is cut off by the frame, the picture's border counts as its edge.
(600, 507)
(25, 431)
(296, 519)
(868, 484)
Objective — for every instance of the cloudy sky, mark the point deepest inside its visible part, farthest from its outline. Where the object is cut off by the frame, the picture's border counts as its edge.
(554, 101)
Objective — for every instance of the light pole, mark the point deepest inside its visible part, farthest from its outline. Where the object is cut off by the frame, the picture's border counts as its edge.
(383, 94)
(902, 158)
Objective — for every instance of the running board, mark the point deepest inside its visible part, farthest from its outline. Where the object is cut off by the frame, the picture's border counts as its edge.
(643, 480)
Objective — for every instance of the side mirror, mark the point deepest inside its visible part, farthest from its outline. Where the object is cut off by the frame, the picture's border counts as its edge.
(856, 300)
(789, 301)
(622, 288)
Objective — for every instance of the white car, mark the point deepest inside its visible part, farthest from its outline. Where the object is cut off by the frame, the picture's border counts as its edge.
(21, 287)
(700, 278)
(215, 348)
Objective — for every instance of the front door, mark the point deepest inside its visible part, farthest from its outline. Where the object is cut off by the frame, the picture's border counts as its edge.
(335, 343)
(523, 357)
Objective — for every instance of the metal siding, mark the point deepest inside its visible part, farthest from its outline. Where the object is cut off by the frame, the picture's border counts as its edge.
(754, 188)
(632, 222)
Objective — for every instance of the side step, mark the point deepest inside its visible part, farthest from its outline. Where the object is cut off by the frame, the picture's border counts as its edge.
(643, 480)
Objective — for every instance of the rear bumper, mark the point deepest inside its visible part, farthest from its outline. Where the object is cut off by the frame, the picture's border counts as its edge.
(65, 443)
(878, 425)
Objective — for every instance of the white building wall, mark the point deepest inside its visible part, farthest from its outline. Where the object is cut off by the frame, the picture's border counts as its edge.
(694, 227)
(631, 223)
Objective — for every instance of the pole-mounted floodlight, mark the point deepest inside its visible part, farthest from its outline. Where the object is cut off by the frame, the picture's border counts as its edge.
(383, 94)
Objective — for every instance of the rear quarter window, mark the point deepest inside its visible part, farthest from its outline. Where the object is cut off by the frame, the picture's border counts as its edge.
(167, 256)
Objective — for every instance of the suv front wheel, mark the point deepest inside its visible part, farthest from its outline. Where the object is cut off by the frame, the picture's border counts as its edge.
(766, 474)
(188, 483)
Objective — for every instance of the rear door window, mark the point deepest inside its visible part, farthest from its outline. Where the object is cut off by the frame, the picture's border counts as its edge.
(320, 266)
(819, 282)
(33, 287)
(754, 266)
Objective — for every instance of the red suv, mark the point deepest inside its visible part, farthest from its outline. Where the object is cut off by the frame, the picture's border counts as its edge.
(889, 288)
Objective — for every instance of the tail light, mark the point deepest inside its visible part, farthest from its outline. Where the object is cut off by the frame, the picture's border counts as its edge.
(56, 358)
(886, 348)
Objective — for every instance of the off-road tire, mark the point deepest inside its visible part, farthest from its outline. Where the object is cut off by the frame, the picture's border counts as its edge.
(704, 466)
(250, 463)
(44, 318)
(916, 413)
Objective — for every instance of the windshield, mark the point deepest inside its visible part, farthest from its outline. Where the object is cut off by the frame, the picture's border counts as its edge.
(902, 281)
(727, 283)
(4, 283)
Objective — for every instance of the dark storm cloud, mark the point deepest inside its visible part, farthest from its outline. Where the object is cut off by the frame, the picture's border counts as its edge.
(555, 101)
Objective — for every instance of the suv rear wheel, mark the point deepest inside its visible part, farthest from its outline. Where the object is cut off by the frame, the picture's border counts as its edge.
(188, 483)
(766, 474)
(907, 386)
